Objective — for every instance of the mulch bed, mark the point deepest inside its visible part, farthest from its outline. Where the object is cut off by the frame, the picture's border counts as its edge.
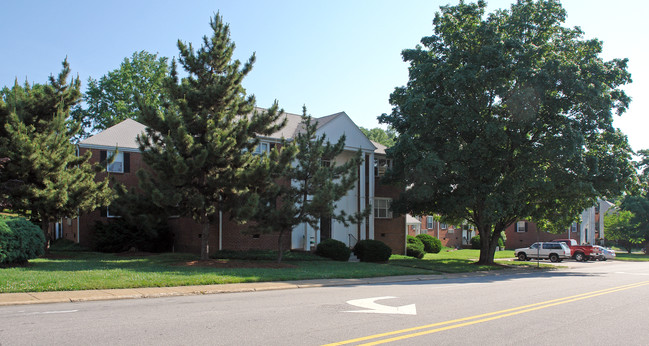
(55, 256)
(220, 263)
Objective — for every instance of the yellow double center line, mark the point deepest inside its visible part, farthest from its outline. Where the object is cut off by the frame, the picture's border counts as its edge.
(467, 321)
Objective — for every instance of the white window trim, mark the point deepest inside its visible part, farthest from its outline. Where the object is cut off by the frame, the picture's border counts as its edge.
(518, 228)
(429, 222)
(119, 159)
(261, 148)
(378, 208)
(108, 215)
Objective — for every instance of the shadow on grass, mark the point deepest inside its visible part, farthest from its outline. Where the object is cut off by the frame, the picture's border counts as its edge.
(451, 265)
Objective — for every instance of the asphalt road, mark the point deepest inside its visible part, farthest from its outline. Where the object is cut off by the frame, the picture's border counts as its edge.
(590, 303)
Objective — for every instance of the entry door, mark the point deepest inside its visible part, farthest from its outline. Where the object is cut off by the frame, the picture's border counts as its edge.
(325, 228)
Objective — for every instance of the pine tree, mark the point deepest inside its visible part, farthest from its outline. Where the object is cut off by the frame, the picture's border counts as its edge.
(53, 181)
(304, 183)
(199, 146)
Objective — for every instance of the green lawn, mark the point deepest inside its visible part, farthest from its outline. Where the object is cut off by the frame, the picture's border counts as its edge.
(624, 256)
(78, 270)
(81, 271)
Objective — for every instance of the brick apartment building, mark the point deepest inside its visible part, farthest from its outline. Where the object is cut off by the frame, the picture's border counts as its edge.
(226, 235)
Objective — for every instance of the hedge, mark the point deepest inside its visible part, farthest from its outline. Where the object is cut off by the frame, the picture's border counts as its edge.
(20, 240)
(333, 249)
(370, 250)
(431, 244)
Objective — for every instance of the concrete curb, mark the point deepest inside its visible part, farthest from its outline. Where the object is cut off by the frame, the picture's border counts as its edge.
(158, 292)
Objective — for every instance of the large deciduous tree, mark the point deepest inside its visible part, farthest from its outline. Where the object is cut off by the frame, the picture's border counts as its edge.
(630, 227)
(508, 116)
(199, 145)
(301, 182)
(379, 135)
(621, 229)
(113, 98)
(52, 181)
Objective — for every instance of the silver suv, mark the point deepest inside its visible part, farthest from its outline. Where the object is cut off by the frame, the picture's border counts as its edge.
(554, 251)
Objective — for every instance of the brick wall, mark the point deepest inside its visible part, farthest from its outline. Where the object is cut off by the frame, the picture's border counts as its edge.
(523, 239)
(391, 232)
(87, 222)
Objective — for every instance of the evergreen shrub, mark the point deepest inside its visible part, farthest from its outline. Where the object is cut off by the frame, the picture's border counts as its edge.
(431, 244)
(475, 242)
(414, 250)
(370, 250)
(415, 247)
(334, 249)
(20, 240)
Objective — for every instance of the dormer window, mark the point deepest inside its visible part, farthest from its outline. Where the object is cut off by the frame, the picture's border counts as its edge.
(262, 147)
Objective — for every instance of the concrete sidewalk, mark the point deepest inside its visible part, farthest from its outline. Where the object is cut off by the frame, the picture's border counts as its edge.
(156, 292)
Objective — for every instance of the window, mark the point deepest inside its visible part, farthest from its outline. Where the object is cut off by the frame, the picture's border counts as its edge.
(117, 166)
(381, 166)
(261, 148)
(109, 215)
(120, 164)
(429, 222)
(382, 208)
(573, 227)
(443, 226)
(521, 226)
(552, 246)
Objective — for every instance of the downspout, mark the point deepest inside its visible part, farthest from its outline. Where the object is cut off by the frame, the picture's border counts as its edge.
(405, 237)
(220, 230)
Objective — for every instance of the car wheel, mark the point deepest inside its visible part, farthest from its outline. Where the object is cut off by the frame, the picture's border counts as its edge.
(580, 257)
(554, 257)
(522, 256)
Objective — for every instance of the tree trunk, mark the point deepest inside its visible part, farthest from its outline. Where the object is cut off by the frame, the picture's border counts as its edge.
(45, 228)
(205, 236)
(487, 247)
(280, 246)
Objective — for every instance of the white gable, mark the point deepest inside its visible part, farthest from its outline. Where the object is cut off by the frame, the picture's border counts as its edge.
(342, 124)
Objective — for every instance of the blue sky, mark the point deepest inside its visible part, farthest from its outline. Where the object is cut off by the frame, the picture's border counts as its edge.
(328, 55)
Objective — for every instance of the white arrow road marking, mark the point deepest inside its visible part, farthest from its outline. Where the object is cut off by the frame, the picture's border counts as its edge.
(375, 308)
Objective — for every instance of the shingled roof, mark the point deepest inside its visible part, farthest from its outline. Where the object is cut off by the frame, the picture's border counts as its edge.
(122, 135)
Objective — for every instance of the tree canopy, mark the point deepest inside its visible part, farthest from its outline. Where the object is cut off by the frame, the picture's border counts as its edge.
(379, 135)
(621, 229)
(53, 181)
(199, 144)
(116, 96)
(508, 116)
